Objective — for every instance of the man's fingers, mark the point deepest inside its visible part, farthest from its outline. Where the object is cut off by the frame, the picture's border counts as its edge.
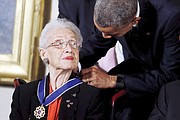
(86, 80)
(85, 71)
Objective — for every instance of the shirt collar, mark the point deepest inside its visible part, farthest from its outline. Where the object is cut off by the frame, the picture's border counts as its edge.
(138, 9)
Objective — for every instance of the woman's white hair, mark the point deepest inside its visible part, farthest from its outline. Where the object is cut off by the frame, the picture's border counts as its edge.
(58, 23)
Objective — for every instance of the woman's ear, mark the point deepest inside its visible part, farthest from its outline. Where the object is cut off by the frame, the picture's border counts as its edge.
(42, 53)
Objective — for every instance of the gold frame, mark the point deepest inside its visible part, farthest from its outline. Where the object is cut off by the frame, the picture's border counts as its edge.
(24, 60)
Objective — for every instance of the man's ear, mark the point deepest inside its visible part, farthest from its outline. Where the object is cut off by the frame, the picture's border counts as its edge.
(136, 20)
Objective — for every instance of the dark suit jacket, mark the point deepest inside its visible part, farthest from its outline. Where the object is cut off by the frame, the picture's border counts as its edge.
(88, 103)
(151, 50)
(167, 106)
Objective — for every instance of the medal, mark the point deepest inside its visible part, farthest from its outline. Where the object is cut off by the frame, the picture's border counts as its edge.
(45, 101)
(39, 112)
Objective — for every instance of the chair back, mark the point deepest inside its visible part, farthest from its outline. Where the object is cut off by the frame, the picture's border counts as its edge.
(18, 81)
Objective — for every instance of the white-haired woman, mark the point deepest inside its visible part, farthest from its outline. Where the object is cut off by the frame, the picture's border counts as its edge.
(60, 95)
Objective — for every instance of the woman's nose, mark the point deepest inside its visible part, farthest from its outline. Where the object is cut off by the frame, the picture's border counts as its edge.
(68, 48)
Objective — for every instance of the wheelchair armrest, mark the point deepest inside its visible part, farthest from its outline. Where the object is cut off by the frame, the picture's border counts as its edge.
(18, 81)
(115, 98)
(117, 95)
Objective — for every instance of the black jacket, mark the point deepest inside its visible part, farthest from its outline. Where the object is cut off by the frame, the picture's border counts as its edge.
(88, 103)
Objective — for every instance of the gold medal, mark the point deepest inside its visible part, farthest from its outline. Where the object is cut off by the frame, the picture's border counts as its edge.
(39, 112)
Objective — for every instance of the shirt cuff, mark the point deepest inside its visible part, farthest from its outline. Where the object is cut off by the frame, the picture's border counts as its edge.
(120, 82)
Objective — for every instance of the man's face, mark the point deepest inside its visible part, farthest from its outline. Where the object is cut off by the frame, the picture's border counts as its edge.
(109, 32)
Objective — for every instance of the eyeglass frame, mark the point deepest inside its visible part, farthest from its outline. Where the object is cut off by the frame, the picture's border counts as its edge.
(59, 44)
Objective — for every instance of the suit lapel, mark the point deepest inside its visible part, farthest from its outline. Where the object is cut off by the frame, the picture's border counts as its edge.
(69, 104)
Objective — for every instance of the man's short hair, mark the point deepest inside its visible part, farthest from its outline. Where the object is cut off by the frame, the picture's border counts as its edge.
(114, 13)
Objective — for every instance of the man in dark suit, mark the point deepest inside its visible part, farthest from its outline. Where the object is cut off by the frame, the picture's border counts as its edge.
(167, 106)
(151, 49)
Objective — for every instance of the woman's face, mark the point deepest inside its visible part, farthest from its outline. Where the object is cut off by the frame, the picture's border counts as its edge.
(62, 50)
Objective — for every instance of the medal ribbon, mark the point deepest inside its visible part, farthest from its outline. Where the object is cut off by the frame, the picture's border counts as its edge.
(57, 93)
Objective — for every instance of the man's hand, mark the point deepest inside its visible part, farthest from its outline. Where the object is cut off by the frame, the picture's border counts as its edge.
(98, 78)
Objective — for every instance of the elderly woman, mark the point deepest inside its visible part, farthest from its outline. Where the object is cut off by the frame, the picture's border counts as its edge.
(60, 95)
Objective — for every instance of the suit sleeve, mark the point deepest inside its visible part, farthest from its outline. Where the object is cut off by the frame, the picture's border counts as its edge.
(95, 48)
(164, 71)
(68, 9)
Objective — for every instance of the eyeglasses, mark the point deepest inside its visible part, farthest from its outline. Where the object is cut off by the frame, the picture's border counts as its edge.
(61, 44)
